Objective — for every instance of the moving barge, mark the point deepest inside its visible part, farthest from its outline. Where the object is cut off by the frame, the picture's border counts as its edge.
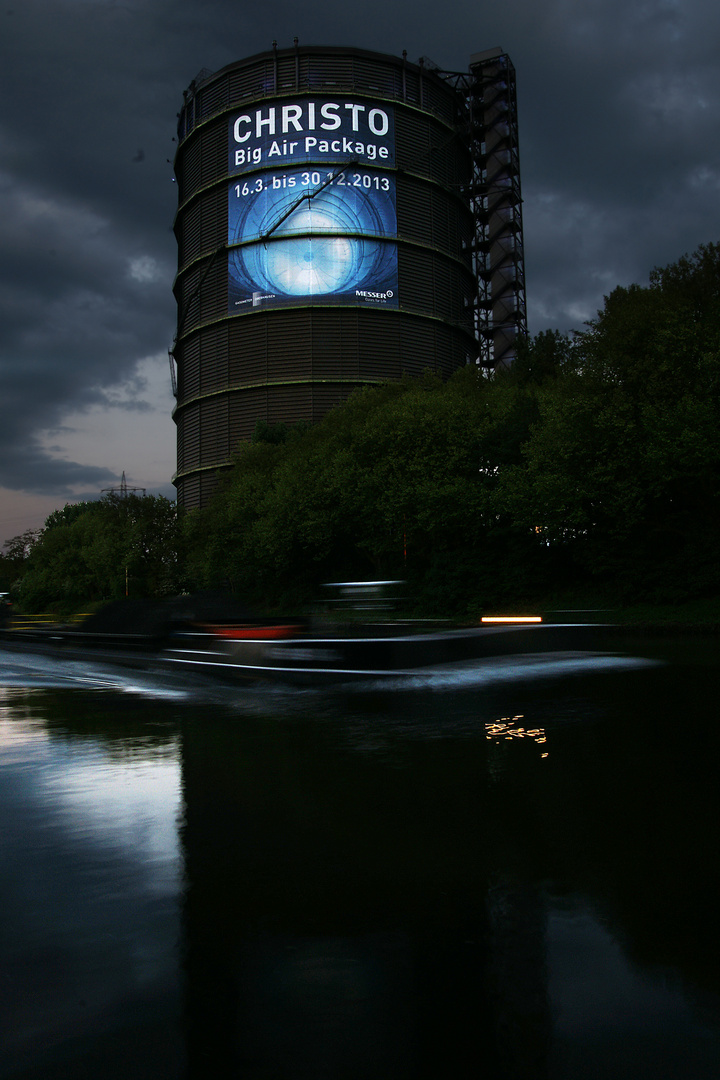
(216, 638)
(375, 651)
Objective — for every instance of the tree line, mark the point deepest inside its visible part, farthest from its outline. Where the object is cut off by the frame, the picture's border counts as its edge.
(593, 463)
(90, 552)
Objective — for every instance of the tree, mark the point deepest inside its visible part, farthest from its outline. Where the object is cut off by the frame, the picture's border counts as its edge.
(398, 482)
(13, 559)
(543, 357)
(623, 466)
(102, 550)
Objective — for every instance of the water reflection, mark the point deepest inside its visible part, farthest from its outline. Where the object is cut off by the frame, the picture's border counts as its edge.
(89, 884)
(514, 877)
(509, 728)
(336, 902)
(610, 1014)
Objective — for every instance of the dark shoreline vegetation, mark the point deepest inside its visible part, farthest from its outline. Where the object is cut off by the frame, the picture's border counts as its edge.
(587, 477)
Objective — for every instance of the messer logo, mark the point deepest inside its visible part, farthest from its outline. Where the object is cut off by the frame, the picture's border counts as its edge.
(374, 295)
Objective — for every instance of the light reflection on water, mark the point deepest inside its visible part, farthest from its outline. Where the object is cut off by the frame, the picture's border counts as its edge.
(90, 879)
(492, 877)
(509, 728)
(509, 669)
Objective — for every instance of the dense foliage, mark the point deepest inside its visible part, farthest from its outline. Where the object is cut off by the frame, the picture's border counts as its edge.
(623, 467)
(100, 550)
(399, 482)
(594, 462)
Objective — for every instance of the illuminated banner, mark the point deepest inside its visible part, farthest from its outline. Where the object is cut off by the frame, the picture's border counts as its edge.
(313, 129)
(312, 227)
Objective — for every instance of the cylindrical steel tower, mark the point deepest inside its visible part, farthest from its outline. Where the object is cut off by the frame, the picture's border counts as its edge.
(325, 242)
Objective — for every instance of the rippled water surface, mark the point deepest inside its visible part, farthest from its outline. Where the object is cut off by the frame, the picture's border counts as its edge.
(510, 870)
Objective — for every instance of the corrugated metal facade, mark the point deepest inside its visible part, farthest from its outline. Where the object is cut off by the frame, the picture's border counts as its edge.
(297, 361)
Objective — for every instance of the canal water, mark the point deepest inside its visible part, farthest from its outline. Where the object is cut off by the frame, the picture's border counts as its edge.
(508, 871)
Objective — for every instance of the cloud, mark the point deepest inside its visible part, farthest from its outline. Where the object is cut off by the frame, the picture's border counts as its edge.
(144, 269)
(78, 311)
(133, 424)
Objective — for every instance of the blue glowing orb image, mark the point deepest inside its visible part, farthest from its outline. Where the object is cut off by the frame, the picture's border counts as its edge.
(302, 234)
(312, 266)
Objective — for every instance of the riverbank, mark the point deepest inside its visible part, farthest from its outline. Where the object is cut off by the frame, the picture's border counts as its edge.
(692, 617)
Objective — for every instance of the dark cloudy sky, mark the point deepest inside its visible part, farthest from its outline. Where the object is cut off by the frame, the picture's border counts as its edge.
(618, 105)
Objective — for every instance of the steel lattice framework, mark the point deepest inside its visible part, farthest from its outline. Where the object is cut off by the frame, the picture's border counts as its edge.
(490, 93)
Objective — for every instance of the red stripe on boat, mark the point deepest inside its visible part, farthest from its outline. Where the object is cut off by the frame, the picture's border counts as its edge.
(239, 633)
